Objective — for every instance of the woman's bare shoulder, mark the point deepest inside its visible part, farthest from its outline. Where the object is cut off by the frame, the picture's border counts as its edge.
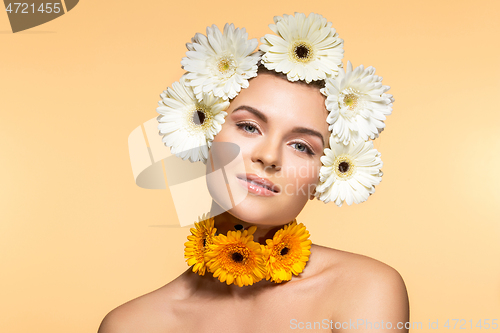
(354, 265)
(366, 287)
(152, 312)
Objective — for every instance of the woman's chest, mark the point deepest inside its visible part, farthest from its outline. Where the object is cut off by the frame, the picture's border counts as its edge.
(268, 312)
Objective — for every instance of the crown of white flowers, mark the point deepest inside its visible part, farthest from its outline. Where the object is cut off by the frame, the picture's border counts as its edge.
(306, 48)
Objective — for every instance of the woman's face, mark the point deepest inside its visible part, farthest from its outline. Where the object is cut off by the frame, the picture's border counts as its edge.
(281, 130)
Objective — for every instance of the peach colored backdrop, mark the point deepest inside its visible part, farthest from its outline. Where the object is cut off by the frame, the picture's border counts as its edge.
(78, 237)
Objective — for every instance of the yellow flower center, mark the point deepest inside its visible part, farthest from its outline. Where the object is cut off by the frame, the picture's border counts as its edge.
(344, 167)
(302, 52)
(199, 119)
(284, 251)
(349, 101)
(282, 248)
(237, 257)
(226, 66)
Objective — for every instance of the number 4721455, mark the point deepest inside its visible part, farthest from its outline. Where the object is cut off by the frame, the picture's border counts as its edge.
(24, 8)
(464, 324)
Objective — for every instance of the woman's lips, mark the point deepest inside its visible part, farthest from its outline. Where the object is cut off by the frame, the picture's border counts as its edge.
(257, 185)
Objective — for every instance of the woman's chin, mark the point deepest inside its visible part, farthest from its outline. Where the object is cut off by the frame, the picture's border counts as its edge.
(258, 213)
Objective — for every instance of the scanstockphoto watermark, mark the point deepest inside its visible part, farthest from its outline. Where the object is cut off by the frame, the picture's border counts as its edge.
(292, 180)
(297, 189)
(305, 170)
(328, 324)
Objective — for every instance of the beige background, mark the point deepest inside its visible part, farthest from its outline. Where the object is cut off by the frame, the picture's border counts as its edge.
(76, 235)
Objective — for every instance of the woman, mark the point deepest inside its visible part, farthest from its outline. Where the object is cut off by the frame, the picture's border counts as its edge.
(278, 122)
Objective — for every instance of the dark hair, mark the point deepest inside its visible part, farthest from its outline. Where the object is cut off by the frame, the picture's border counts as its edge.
(319, 84)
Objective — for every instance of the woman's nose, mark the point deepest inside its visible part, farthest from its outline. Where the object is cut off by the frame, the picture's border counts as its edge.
(268, 153)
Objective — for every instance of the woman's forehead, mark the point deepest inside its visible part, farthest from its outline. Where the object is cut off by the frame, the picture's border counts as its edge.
(274, 96)
(278, 100)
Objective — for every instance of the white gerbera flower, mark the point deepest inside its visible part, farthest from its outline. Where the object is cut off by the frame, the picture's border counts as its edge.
(349, 173)
(221, 64)
(188, 126)
(357, 103)
(306, 48)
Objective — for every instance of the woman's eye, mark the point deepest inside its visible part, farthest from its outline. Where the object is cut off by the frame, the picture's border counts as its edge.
(249, 128)
(300, 146)
(303, 148)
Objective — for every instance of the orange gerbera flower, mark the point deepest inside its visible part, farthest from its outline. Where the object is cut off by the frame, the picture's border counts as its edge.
(287, 253)
(201, 236)
(236, 258)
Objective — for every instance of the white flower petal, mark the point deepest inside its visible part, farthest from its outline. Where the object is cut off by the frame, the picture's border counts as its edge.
(357, 104)
(180, 125)
(355, 183)
(305, 48)
(220, 63)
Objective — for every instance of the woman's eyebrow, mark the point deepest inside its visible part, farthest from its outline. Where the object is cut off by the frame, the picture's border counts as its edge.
(310, 132)
(263, 117)
(252, 110)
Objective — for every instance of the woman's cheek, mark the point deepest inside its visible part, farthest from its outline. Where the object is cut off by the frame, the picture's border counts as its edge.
(313, 178)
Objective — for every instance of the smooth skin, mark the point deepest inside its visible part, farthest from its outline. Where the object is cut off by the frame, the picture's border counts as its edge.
(335, 286)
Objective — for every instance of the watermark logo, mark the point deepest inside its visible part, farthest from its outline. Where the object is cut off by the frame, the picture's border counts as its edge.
(192, 185)
(26, 15)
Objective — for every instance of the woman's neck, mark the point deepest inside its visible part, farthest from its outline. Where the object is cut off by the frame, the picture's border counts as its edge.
(226, 222)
